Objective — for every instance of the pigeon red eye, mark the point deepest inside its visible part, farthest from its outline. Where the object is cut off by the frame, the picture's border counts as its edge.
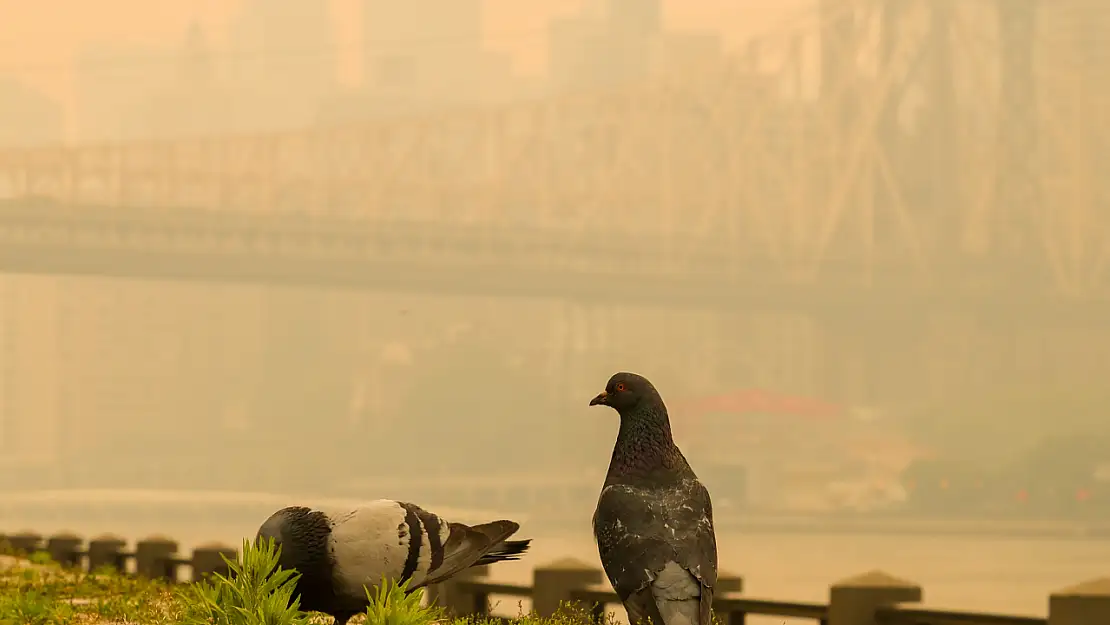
(620, 387)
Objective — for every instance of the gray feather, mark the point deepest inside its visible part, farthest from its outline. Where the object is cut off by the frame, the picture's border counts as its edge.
(654, 518)
(338, 552)
(677, 595)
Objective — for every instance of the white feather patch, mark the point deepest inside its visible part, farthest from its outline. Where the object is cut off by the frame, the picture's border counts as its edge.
(368, 543)
(444, 534)
(424, 562)
(423, 559)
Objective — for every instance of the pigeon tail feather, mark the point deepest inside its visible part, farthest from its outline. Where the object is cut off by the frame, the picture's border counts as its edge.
(683, 612)
(677, 595)
(506, 550)
(467, 544)
(496, 531)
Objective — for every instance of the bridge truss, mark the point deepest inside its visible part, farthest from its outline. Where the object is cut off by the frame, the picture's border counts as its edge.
(929, 143)
(924, 153)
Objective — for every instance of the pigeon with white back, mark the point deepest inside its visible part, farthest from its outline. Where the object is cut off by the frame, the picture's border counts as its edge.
(339, 553)
(654, 519)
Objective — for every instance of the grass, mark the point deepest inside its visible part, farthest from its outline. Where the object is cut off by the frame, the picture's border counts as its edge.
(36, 591)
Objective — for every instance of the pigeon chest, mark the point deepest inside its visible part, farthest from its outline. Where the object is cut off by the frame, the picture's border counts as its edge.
(659, 513)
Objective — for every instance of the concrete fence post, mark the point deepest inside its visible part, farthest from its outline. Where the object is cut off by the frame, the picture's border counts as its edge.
(64, 548)
(555, 583)
(726, 583)
(25, 543)
(207, 561)
(458, 600)
(854, 601)
(1084, 604)
(153, 558)
(106, 550)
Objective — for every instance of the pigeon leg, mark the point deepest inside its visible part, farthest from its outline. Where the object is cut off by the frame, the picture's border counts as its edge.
(341, 618)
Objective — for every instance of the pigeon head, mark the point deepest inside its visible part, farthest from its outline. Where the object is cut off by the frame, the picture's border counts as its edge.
(644, 446)
(625, 392)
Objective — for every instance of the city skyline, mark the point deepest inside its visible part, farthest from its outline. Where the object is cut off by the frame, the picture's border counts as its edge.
(757, 235)
(44, 55)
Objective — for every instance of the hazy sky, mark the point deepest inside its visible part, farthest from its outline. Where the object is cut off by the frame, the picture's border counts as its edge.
(38, 40)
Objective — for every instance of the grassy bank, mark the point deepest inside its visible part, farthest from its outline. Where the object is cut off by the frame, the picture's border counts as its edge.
(35, 591)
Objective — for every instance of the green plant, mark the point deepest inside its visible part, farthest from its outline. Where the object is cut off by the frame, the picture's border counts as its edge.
(36, 591)
(392, 604)
(40, 557)
(256, 591)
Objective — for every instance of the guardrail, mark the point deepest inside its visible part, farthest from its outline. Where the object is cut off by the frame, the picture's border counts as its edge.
(873, 598)
(155, 557)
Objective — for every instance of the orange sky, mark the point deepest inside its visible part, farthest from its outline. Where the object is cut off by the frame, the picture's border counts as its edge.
(39, 39)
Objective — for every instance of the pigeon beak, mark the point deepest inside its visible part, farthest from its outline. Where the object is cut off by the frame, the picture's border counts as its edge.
(602, 399)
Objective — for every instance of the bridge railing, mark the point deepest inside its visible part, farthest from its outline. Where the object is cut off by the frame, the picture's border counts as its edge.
(873, 598)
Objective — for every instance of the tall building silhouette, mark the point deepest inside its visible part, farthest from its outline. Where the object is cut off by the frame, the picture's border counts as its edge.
(636, 18)
(147, 375)
(113, 83)
(619, 42)
(194, 99)
(429, 53)
(416, 45)
(41, 120)
(282, 63)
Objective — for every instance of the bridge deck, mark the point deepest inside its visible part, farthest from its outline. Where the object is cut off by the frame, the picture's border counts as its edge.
(502, 261)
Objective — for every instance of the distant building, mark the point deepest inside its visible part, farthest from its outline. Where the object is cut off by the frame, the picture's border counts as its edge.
(642, 18)
(790, 449)
(112, 85)
(282, 63)
(684, 53)
(31, 117)
(134, 94)
(1072, 46)
(416, 44)
(425, 55)
(194, 100)
(572, 42)
(621, 42)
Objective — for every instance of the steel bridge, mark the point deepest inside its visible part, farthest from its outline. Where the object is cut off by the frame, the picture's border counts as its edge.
(872, 164)
(926, 169)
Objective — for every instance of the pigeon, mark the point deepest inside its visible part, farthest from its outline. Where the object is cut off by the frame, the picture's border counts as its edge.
(340, 553)
(654, 519)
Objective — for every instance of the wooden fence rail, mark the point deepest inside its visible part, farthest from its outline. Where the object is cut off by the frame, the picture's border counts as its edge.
(873, 598)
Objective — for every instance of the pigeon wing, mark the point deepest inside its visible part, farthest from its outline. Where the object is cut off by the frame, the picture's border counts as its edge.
(639, 531)
(642, 609)
(466, 545)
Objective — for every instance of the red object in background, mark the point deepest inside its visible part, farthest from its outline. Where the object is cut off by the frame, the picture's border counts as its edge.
(759, 401)
(1023, 495)
(1082, 495)
(754, 401)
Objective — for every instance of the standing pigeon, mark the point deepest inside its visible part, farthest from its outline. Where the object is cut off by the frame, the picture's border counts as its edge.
(654, 519)
(339, 552)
